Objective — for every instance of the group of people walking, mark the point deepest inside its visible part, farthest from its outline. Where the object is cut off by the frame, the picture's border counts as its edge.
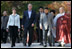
(49, 26)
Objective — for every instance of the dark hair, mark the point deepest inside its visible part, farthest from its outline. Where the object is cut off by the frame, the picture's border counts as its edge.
(41, 7)
(46, 8)
(52, 11)
(13, 8)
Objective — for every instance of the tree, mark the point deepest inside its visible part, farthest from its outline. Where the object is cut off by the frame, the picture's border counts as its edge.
(57, 4)
(22, 5)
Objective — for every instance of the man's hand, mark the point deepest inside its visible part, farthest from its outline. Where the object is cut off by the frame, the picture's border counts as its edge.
(18, 30)
(32, 25)
(22, 26)
(7, 30)
(41, 27)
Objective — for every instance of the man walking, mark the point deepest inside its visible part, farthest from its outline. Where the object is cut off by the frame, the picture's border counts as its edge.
(46, 24)
(28, 24)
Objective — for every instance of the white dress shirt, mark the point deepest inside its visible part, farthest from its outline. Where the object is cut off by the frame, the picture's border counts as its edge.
(29, 13)
(14, 20)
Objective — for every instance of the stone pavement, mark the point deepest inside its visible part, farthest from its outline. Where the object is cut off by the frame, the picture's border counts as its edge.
(34, 45)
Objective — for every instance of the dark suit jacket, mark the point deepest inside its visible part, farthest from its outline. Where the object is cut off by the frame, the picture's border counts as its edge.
(37, 20)
(27, 22)
(4, 20)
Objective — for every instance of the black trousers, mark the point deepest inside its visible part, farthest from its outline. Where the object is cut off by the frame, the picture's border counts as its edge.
(41, 36)
(37, 30)
(13, 33)
(30, 30)
(4, 35)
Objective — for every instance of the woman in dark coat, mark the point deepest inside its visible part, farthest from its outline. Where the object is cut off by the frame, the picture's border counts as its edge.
(4, 33)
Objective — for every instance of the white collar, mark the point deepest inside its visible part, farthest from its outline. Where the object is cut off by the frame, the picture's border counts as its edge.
(15, 14)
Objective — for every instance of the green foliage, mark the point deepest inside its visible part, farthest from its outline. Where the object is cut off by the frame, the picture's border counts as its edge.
(22, 5)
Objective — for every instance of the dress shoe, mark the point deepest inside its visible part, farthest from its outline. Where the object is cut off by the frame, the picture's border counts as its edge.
(59, 45)
(24, 44)
(29, 45)
(13, 45)
(41, 43)
(45, 45)
(50, 44)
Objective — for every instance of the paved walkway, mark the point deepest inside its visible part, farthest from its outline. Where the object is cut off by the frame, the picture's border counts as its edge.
(34, 45)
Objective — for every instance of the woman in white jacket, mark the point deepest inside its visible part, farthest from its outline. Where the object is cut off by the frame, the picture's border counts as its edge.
(13, 26)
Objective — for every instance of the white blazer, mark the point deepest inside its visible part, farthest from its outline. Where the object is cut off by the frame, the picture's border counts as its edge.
(14, 20)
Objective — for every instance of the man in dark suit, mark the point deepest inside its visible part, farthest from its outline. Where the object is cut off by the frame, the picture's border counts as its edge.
(38, 30)
(28, 24)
